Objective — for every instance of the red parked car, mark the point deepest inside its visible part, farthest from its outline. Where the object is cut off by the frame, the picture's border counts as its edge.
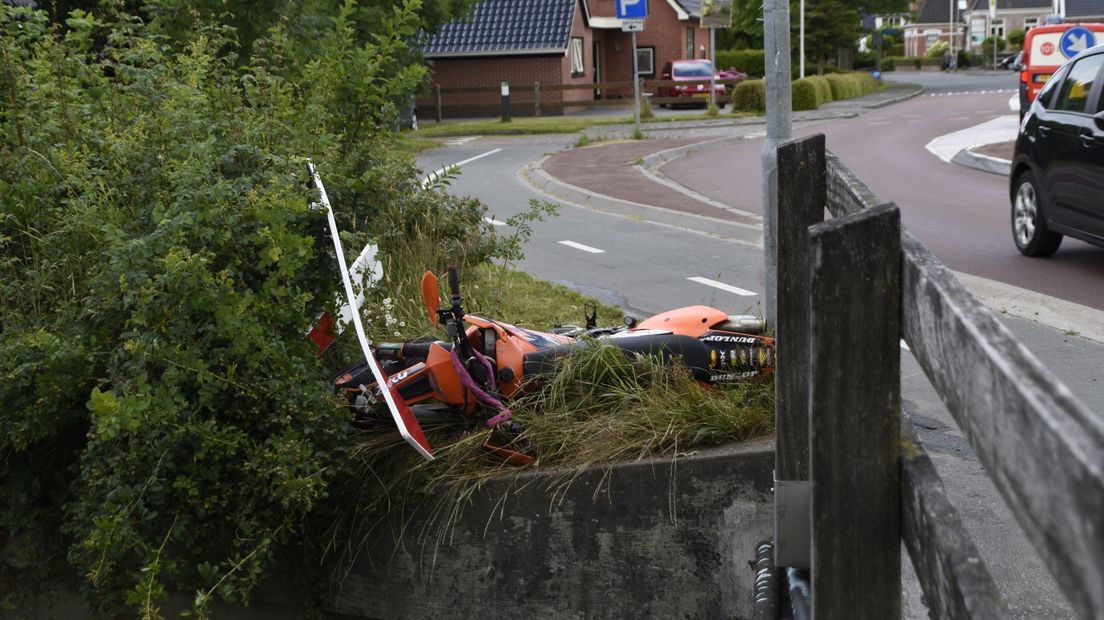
(696, 73)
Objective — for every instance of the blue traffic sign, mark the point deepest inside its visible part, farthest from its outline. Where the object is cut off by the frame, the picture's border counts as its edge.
(632, 9)
(1074, 41)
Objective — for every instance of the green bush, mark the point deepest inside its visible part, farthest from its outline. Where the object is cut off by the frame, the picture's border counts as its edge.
(823, 89)
(750, 62)
(898, 62)
(804, 95)
(164, 418)
(750, 96)
(842, 87)
(889, 64)
(937, 50)
(897, 49)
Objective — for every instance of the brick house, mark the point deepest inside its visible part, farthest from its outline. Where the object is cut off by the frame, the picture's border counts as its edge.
(937, 19)
(564, 45)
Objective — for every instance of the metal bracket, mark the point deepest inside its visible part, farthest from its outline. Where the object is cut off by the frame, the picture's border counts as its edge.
(792, 523)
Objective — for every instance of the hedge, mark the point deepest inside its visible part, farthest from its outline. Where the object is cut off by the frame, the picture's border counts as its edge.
(750, 62)
(750, 96)
(804, 95)
(823, 89)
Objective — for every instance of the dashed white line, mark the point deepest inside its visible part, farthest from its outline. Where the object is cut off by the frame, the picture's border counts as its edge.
(460, 141)
(721, 285)
(585, 248)
(433, 176)
(879, 123)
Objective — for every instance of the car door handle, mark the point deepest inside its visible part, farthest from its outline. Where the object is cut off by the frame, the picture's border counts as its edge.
(1089, 141)
(1044, 130)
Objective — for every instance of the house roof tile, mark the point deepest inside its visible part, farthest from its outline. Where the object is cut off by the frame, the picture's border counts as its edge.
(983, 5)
(505, 28)
(1084, 8)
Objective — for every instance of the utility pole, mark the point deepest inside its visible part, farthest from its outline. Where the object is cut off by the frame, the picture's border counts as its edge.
(776, 37)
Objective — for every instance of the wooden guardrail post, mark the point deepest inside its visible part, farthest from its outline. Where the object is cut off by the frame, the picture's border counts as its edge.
(536, 99)
(437, 93)
(801, 200)
(854, 414)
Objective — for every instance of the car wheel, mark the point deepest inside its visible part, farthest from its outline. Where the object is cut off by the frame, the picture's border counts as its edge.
(1029, 227)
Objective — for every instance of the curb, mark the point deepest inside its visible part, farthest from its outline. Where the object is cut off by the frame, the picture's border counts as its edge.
(970, 159)
(537, 178)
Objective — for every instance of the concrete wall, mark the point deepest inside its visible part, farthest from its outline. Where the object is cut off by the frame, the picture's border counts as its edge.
(660, 539)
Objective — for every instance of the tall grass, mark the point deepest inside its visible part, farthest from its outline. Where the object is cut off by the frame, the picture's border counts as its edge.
(599, 408)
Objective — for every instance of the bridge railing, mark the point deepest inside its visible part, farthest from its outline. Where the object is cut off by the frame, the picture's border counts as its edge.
(850, 288)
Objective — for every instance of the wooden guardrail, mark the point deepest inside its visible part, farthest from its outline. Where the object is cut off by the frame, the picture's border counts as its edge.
(537, 98)
(849, 288)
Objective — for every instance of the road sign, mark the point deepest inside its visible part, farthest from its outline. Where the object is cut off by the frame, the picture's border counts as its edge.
(1075, 40)
(632, 25)
(632, 9)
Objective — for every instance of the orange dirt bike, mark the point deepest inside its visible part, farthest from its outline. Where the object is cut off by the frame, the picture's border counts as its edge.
(484, 360)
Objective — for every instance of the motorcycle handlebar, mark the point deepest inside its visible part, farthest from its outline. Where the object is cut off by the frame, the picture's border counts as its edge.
(454, 280)
(405, 350)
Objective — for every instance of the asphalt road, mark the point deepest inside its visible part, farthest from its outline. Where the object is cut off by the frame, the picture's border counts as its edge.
(642, 266)
(961, 214)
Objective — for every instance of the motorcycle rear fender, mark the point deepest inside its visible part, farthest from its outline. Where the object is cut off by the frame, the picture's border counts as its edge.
(691, 321)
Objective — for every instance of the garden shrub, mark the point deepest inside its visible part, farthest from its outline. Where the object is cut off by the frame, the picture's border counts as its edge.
(750, 62)
(750, 96)
(842, 87)
(823, 89)
(889, 64)
(804, 95)
(164, 419)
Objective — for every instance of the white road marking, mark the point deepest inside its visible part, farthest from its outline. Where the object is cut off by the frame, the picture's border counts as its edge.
(879, 123)
(433, 176)
(721, 285)
(494, 222)
(959, 118)
(1014, 103)
(460, 141)
(585, 248)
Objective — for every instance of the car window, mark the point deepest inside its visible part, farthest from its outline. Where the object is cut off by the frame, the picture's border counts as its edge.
(693, 69)
(1046, 94)
(1078, 84)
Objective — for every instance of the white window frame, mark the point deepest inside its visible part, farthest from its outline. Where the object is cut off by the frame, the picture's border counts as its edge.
(578, 67)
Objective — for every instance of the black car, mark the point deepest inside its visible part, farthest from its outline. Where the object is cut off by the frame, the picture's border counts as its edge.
(1057, 179)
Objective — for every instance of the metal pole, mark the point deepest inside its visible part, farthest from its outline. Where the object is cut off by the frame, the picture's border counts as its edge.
(713, 61)
(801, 42)
(636, 85)
(950, 33)
(776, 37)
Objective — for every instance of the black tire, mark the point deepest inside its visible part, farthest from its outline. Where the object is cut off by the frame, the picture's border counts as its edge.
(1029, 229)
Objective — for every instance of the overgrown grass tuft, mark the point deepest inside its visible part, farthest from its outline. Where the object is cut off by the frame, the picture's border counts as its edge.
(600, 408)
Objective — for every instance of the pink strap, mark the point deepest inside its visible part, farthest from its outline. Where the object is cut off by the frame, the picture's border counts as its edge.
(481, 396)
